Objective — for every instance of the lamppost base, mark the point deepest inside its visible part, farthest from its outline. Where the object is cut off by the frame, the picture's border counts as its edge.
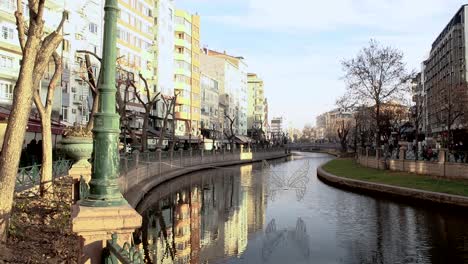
(100, 202)
(96, 225)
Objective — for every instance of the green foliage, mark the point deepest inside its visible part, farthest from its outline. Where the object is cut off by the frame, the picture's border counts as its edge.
(348, 168)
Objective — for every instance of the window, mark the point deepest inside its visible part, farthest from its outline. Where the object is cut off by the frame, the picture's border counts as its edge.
(6, 90)
(6, 61)
(65, 113)
(64, 86)
(66, 45)
(8, 5)
(7, 33)
(93, 28)
(73, 111)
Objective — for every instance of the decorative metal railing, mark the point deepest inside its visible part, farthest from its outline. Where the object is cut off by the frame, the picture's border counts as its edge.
(127, 254)
(30, 176)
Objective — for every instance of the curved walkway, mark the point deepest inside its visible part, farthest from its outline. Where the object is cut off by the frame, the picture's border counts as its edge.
(138, 191)
(391, 191)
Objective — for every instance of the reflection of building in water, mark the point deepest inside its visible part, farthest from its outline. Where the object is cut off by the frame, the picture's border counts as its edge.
(255, 198)
(205, 219)
(235, 232)
(195, 225)
(182, 228)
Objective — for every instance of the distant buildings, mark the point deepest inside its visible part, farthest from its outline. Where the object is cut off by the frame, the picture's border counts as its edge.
(277, 127)
(257, 116)
(154, 39)
(327, 123)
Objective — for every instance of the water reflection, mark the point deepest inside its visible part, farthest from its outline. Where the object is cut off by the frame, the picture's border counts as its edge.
(281, 213)
(202, 217)
(274, 239)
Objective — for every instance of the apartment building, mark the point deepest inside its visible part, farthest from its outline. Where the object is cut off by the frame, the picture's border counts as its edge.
(187, 73)
(445, 77)
(231, 73)
(419, 109)
(235, 88)
(135, 47)
(256, 115)
(84, 33)
(161, 73)
(10, 56)
(210, 112)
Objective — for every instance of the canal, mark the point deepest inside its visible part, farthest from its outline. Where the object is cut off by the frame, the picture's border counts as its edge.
(279, 212)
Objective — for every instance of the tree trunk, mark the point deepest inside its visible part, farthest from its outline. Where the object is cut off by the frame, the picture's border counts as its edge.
(173, 125)
(15, 132)
(163, 132)
(94, 110)
(144, 133)
(46, 167)
(377, 121)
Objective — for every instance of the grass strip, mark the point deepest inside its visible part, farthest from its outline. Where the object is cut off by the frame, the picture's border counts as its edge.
(349, 168)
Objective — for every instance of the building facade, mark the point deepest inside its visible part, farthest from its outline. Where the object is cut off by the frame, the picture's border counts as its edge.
(187, 73)
(256, 114)
(444, 77)
(210, 114)
(231, 73)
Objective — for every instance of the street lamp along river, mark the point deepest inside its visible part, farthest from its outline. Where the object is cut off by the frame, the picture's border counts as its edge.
(104, 189)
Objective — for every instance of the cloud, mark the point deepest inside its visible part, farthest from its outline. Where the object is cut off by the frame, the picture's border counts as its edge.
(296, 46)
(314, 15)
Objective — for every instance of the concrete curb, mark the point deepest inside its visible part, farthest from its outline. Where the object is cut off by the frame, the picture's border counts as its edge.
(396, 192)
(138, 192)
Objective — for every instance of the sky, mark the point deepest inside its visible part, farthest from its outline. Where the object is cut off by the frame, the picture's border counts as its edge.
(297, 46)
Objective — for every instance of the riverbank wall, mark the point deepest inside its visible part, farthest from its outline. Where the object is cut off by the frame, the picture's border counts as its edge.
(395, 192)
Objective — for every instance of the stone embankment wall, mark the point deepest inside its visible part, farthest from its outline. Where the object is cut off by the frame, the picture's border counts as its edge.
(435, 168)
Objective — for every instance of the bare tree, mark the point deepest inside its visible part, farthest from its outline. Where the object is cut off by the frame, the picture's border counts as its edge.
(45, 113)
(230, 134)
(168, 107)
(122, 100)
(37, 48)
(147, 104)
(377, 75)
(172, 144)
(452, 109)
(89, 77)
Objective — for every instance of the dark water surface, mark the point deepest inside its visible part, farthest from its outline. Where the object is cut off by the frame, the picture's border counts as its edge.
(279, 212)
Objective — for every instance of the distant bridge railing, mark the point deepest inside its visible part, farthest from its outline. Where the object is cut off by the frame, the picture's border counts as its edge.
(313, 146)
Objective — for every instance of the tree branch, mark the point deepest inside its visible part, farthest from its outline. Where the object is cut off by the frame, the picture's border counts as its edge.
(90, 53)
(20, 24)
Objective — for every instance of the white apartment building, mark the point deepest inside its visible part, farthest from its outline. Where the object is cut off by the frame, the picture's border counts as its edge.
(83, 31)
(231, 72)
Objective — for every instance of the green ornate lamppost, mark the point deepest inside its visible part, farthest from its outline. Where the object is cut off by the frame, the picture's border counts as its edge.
(104, 189)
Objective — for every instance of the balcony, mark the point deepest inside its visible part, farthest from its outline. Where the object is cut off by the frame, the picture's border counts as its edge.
(9, 73)
(79, 99)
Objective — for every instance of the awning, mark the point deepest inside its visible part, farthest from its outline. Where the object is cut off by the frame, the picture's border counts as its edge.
(242, 140)
(34, 123)
(193, 139)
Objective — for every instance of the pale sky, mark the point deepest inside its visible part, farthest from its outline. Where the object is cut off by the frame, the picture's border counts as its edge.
(296, 46)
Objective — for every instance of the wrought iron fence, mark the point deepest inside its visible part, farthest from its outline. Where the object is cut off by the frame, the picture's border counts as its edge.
(457, 156)
(136, 167)
(127, 254)
(30, 176)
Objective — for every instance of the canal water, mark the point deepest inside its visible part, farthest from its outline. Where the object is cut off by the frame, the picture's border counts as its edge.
(279, 212)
